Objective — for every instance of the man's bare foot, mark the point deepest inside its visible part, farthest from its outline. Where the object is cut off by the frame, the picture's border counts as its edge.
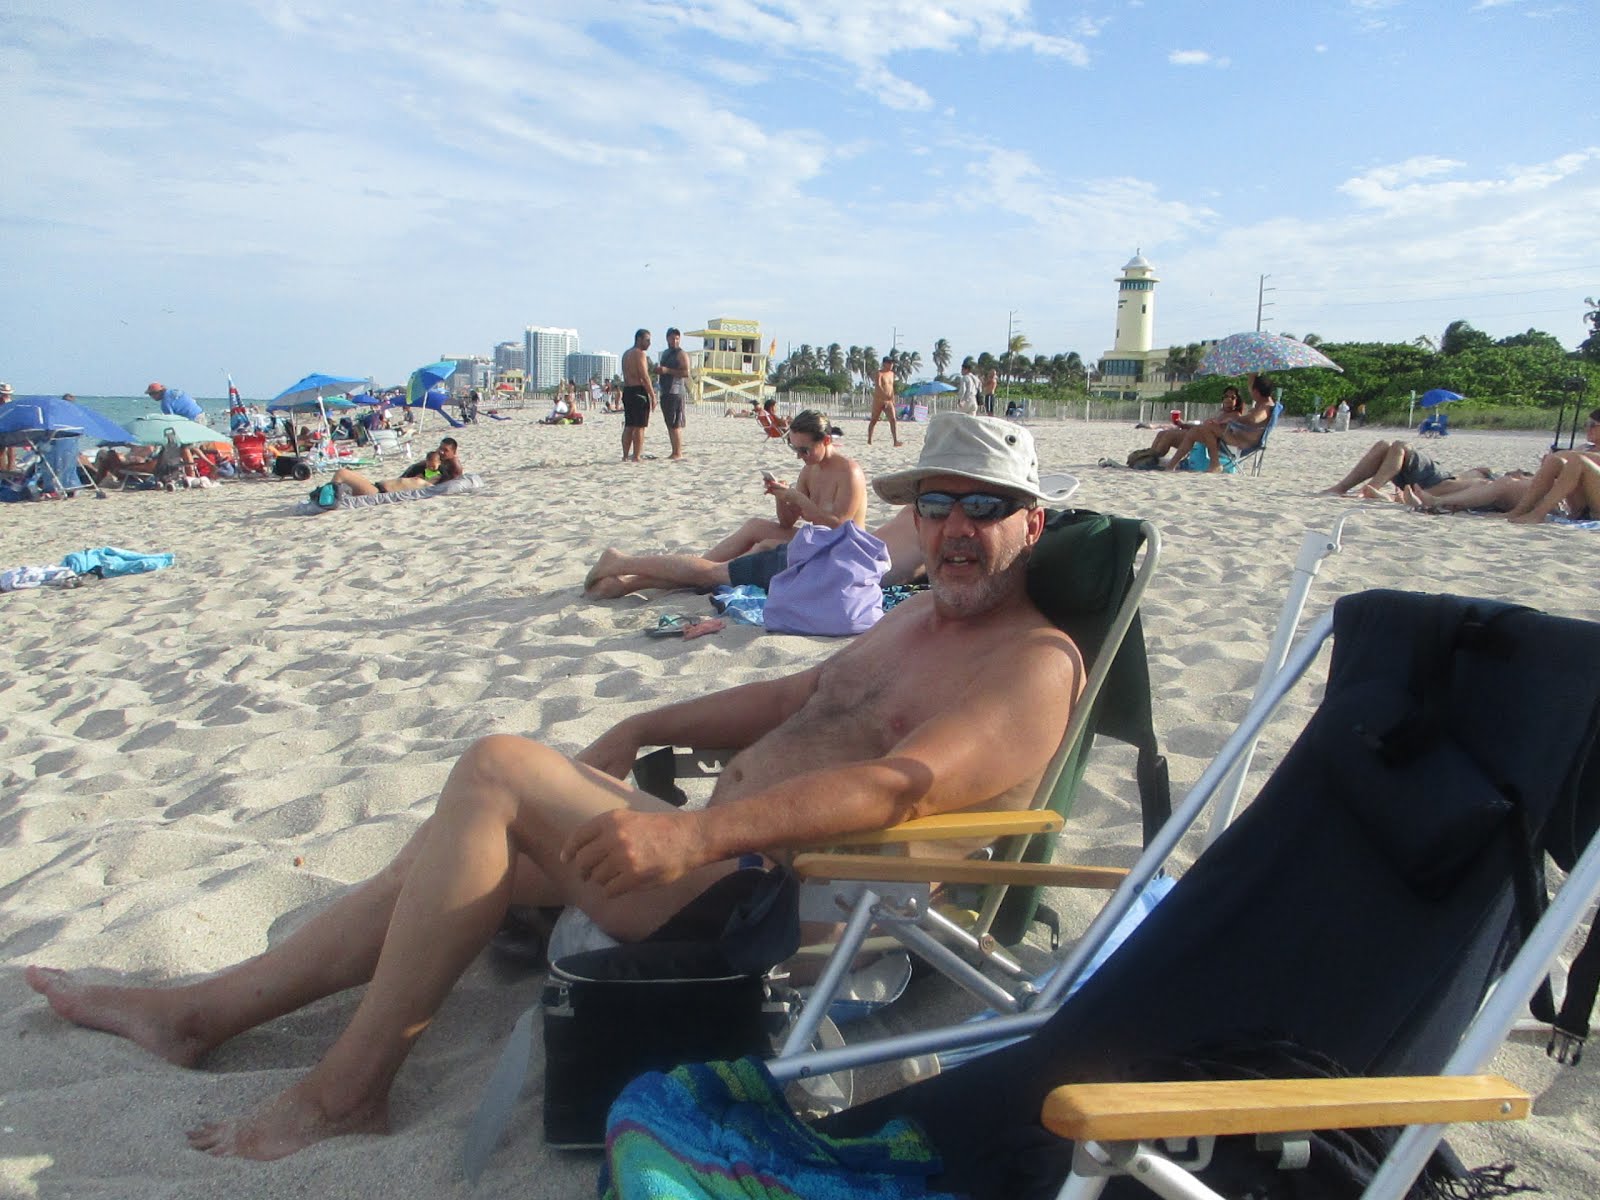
(899, 443)
(147, 1017)
(1333, 491)
(604, 567)
(674, 458)
(290, 1121)
(613, 587)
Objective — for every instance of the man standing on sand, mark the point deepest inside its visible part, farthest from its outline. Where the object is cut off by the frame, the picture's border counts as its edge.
(638, 397)
(674, 371)
(883, 399)
(967, 396)
(954, 701)
(991, 384)
(830, 490)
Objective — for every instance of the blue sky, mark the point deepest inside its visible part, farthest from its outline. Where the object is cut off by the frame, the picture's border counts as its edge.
(275, 188)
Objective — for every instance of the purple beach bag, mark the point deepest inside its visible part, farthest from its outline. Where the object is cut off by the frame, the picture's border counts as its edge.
(832, 585)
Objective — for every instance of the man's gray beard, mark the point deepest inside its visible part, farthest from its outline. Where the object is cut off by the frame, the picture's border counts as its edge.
(983, 595)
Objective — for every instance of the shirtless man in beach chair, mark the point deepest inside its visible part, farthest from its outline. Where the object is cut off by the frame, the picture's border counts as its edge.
(955, 700)
(830, 490)
(449, 468)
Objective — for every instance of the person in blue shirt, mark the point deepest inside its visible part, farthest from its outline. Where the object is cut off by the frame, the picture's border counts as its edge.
(175, 402)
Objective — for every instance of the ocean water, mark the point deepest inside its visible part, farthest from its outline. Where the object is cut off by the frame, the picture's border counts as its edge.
(123, 409)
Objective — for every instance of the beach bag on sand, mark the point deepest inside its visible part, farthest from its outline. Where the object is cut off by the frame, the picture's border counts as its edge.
(832, 585)
(325, 495)
(1144, 459)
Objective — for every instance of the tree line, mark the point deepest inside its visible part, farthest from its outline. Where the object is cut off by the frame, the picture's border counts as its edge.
(1525, 370)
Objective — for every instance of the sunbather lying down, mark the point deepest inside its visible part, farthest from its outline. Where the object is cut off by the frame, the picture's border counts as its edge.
(955, 700)
(1567, 484)
(617, 574)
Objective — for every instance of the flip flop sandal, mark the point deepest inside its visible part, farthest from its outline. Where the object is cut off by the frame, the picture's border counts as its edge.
(669, 625)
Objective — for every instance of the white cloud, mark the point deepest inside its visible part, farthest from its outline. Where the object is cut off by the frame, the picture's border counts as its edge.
(1195, 58)
(1412, 186)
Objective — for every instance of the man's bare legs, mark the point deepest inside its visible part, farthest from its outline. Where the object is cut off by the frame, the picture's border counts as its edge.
(632, 443)
(1380, 464)
(748, 537)
(617, 574)
(494, 839)
(880, 410)
(1576, 484)
(1200, 435)
(358, 483)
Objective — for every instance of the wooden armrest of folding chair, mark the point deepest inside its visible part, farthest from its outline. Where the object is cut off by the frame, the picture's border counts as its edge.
(895, 869)
(1125, 1112)
(957, 825)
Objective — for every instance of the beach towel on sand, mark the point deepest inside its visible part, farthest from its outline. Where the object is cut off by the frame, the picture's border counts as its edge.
(716, 1131)
(108, 562)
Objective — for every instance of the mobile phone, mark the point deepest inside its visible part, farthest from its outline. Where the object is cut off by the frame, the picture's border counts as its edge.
(768, 476)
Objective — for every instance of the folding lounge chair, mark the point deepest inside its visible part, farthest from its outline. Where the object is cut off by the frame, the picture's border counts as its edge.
(1352, 920)
(389, 441)
(1257, 454)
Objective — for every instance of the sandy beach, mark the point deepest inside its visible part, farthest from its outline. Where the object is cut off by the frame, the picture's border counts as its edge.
(194, 759)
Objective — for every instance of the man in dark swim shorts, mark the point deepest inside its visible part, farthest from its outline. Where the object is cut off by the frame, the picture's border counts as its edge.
(674, 371)
(638, 397)
(1392, 462)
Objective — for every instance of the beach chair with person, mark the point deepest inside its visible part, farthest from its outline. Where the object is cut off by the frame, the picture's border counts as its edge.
(1335, 963)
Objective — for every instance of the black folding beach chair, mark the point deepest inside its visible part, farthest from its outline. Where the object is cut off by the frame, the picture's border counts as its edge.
(1349, 923)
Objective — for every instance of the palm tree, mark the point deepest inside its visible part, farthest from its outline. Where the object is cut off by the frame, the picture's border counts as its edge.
(1312, 339)
(941, 355)
(854, 362)
(987, 361)
(835, 358)
(1075, 368)
(1041, 367)
(912, 361)
(1182, 363)
(869, 364)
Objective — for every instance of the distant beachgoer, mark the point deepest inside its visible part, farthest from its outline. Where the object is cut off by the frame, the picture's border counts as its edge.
(967, 397)
(597, 395)
(638, 397)
(883, 400)
(991, 384)
(449, 468)
(8, 454)
(175, 402)
(767, 414)
(674, 371)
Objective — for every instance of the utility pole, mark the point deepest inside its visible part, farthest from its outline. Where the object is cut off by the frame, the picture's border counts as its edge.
(1261, 298)
(1010, 317)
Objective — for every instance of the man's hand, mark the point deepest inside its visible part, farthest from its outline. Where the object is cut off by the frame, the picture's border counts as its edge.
(612, 752)
(622, 850)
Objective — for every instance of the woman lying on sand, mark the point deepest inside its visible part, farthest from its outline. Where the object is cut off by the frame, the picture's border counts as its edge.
(1567, 484)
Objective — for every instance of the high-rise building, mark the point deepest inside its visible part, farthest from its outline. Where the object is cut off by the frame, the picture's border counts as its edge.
(546, 351)
(510, 356)
(596, 364)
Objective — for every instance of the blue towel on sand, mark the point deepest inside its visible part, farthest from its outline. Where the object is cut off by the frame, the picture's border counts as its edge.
(743, 603)
(108, 562)
(721, 1131)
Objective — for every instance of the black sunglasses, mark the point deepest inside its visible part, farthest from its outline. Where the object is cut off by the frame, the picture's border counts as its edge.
(802, 451)
(981, 507)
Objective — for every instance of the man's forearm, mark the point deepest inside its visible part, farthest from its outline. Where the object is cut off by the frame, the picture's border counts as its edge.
(726, 720)
(811, 808)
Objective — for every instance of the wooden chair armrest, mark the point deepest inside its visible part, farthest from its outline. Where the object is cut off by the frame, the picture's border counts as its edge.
(895, 869)
(1145, 1111)
(957, 825)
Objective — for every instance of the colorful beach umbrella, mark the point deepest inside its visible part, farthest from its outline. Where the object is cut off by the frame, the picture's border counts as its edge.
(1256, 351)
(930, 387)
(1439, 396)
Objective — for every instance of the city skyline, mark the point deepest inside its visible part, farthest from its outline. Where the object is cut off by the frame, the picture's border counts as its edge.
(270, 189)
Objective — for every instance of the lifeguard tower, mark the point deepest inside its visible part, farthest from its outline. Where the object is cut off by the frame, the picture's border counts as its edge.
(731, 365)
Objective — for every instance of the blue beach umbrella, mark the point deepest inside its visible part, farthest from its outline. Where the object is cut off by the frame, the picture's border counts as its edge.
(1438, 396)
(57, 413)
(424, 379)
(25, 424)
(930, 387)
(315, 387)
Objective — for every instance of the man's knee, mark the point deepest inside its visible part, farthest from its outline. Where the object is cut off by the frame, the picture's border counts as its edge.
(498, 766)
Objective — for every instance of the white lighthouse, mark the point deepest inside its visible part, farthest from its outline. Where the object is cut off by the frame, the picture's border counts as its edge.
(1130, 368)
(1136, 306)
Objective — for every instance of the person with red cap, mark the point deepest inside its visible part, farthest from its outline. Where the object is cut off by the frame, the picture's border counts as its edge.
(175, 402)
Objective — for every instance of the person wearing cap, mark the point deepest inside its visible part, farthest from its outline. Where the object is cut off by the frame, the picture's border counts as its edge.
(955, 700)
(674, 390)
(175, 402)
